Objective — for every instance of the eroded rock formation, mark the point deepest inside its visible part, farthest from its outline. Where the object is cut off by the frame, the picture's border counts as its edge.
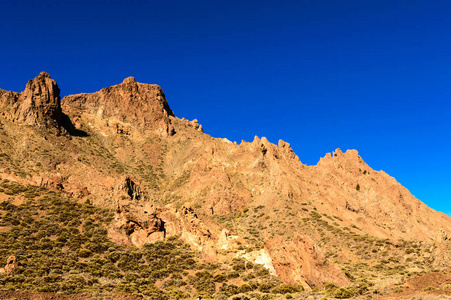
(11, 264)
(131, 102)
(300, 260)
(38, 105)
(255, 200)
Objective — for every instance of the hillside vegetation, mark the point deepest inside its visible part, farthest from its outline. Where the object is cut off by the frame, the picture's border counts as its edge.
(110, 193)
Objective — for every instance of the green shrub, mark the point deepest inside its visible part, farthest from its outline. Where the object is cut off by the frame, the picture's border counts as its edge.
(260, 271)
(220, 278)
(409, 250)
(241, 297)
(63, 246)
(233, 275)
(344, 292)
(248, 276)
(266, 287)
(287, 288)
(239, 265)
(84, 253)
(245, 288)
(229, 289)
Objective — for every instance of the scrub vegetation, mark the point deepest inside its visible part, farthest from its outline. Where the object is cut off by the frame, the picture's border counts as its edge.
(63, 246)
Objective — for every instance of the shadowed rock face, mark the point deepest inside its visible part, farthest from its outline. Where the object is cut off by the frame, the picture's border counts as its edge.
(37, 105)
(130, 102)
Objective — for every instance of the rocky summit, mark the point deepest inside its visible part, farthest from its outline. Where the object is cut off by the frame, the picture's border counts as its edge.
(38, 105)
(109, 194)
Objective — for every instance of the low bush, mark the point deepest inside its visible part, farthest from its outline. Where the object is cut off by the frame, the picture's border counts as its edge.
(63, 246)
(287, 288)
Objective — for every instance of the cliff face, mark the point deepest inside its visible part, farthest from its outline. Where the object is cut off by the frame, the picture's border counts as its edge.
(333, 222)
(130, 103)
(37, 105)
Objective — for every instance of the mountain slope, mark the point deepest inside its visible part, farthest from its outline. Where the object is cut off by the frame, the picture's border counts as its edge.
(122, 148)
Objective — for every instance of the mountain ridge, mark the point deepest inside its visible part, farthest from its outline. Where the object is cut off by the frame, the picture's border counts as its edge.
(255, 200)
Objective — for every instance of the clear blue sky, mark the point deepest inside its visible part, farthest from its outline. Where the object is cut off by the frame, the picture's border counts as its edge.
(367, 75)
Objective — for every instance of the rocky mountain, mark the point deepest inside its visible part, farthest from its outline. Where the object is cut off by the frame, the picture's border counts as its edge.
(143, 105)
(336, 224)
(38, 105)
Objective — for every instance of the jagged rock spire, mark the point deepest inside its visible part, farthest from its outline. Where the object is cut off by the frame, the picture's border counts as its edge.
(40, 102)
(38, 105)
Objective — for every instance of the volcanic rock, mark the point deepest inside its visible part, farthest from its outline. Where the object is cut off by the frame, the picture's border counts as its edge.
(131, 102)
(336, 221)
(300, 260)
(37, 105)
(11, 264)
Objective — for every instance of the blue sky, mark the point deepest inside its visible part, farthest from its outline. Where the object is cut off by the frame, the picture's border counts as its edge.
(367, 75)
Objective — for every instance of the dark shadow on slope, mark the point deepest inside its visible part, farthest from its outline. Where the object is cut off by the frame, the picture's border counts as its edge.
(67, 124)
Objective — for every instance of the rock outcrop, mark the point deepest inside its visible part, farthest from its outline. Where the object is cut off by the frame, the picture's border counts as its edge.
(131, 102)
(11, 264)
(137, 221)
(255, 200)
(300, 260)
(38, 105)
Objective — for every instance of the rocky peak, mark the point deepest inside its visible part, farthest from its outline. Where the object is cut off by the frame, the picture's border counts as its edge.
(286, 149)
(129, 102)
(129, 80)
(37, 105)
(351, 156)
(40, 102)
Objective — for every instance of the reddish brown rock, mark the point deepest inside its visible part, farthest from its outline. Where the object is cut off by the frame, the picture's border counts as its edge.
(137, 221)
(255, 200)
(11, 264)
(300, 260)
(38, 105)
(131, 102)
